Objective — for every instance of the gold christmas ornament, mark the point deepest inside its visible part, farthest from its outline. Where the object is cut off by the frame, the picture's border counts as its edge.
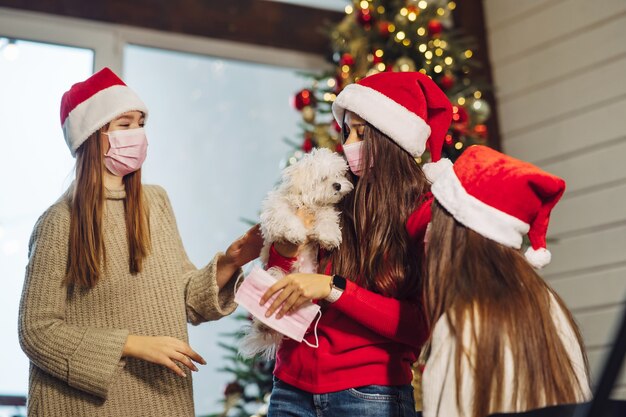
(308, 114)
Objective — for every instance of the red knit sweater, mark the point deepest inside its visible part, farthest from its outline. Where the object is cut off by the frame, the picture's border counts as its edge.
(364, 338)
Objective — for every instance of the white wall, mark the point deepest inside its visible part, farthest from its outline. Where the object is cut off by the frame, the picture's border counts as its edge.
(559, 69)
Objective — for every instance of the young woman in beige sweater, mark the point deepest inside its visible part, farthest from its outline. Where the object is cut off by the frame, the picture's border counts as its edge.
(109, 289)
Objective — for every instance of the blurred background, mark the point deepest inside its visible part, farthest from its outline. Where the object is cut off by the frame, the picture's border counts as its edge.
(238, 89)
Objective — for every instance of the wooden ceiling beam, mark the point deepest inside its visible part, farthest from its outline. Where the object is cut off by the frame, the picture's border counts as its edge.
(257, 22)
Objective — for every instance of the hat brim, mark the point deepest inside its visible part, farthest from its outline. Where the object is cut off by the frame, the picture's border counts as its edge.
(475, 214)
(404, 127)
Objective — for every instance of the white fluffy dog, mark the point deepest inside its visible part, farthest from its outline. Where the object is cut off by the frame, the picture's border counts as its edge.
(311, 187)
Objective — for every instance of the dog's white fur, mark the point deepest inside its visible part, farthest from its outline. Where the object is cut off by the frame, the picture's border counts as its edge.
(315, 184)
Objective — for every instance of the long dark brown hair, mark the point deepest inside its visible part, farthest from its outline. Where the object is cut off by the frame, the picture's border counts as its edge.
(483, 284)
(87, 251)
(377, 250)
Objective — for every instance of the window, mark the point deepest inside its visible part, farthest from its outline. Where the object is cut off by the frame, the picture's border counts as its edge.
(215, 130)
(35, 167)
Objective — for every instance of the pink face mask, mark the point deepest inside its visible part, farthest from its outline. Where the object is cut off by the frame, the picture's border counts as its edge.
(127, 152)
(353, 153)
(294, 325)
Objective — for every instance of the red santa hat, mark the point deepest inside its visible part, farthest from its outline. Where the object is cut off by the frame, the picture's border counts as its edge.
(93, 103)
(408, 107)
(499, 197)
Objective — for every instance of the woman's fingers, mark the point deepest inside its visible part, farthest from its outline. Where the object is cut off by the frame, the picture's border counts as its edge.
(186, 350)
(175, 368)
(302, 300)
(273, 290)
(288, 305)
(184, 359)
(284, 295)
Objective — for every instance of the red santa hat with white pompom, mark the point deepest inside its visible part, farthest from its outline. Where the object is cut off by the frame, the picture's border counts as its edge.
(408, 107)
(499, 197)
(91, 104)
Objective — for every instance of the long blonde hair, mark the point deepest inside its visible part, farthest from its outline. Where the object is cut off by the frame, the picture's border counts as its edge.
(87, 251)
(483, 284)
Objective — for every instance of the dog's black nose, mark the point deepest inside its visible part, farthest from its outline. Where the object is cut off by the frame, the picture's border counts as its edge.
(337, 186)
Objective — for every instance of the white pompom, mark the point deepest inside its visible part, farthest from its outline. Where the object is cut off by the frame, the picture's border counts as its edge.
(433, 170)
(538, 258)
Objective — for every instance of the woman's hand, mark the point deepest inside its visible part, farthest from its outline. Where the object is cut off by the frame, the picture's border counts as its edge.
(240, 252)
(162, 350)
(245, 249)
(295, 290)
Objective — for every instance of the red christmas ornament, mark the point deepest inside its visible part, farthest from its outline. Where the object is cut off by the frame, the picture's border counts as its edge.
(459, 114)
(307, 145)
(302, 99)
(481, 130)
(384, 29)
(339, 148)
(365, 18)
(346, 59)
(435, 27)
(447, 81)
(336, 126)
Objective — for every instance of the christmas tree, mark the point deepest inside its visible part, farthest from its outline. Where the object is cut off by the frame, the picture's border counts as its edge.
(397, 35)
(374, 36)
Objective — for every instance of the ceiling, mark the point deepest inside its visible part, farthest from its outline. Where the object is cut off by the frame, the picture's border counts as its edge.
(338, 5)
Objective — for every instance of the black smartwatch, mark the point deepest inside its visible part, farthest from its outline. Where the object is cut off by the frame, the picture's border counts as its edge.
(337, 286)
(339, 282)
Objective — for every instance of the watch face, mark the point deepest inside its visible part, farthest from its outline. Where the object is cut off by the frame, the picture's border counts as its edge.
(339, 282)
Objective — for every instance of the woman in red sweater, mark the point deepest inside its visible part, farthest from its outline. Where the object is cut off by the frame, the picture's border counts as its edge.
(367, 333)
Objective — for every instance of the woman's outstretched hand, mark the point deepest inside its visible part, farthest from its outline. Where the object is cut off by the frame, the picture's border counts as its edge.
(246, 248)
(240, 252)
(295, 290)
(162, 350)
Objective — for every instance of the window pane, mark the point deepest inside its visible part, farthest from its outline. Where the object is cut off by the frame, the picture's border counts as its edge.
(215, 130)
(35, 168)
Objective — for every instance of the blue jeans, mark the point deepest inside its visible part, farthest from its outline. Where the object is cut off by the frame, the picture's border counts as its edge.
(367, 401)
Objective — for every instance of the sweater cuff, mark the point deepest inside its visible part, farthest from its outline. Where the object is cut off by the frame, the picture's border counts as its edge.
(205, 300)
(96, 361)
(277, 260)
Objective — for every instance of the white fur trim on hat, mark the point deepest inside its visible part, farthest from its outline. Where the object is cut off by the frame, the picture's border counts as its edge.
(471, 212)
(538, 257)
(97, 111)
(406, 128)
(433, 170)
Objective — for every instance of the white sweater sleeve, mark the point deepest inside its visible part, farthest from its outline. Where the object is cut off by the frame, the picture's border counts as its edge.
(439, 379)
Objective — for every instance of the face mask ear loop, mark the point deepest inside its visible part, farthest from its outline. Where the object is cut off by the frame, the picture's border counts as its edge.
(238, 283)
(317, 342)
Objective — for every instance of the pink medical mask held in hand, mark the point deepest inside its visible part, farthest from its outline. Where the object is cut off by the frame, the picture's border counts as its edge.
(353, 153)
(127, 152)
(294, 325)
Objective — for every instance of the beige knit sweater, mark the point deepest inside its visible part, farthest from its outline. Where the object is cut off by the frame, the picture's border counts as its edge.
(75, 340)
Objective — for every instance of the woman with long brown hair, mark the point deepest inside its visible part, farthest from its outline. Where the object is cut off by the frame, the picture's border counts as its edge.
(502, 340)
(369, 288)
(109, 288)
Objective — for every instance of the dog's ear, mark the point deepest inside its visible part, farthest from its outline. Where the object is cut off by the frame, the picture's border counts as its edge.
(295, 176)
